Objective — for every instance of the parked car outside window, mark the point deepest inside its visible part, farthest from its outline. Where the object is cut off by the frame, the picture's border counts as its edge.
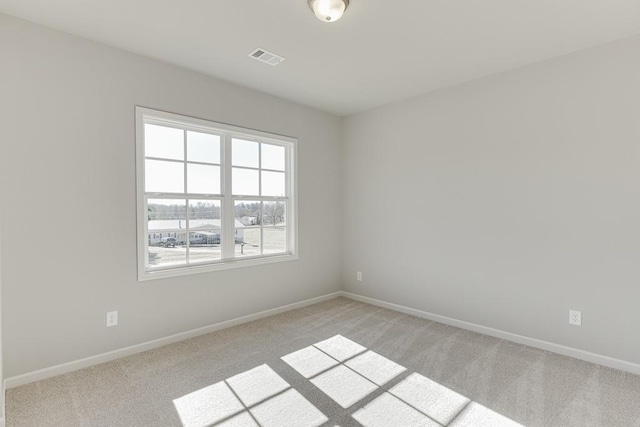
(168, 242)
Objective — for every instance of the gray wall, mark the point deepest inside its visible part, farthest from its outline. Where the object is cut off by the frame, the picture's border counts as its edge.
(1, 363)
(68, 190)
(507, 201)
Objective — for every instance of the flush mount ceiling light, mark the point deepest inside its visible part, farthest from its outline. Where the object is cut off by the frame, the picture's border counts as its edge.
(328, 10)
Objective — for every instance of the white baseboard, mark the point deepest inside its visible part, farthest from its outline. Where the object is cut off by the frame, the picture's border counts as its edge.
(75, 365)
(149, 345)
(599, 359)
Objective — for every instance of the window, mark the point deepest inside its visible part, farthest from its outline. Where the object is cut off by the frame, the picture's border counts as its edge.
(222, 196)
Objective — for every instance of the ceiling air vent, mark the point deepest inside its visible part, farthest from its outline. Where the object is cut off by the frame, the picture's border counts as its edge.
(266, 57)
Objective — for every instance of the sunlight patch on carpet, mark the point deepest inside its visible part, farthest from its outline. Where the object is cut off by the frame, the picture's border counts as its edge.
(387, 410)
(343, 385)
(359, 374)
(347, 373)
(207, 406)
(257, 397)
(310, 361)
(288, 409)
(430, 398)
(257, 384)
(477, 415)
(340, 348)
(243, 419)
(375, 368)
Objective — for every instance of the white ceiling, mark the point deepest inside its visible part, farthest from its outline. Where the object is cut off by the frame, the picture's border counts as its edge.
(379, 52)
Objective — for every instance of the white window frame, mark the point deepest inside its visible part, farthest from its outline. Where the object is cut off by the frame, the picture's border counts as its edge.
(227, 133)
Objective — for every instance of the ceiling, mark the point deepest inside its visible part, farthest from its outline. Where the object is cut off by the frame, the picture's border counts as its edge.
(379, 52)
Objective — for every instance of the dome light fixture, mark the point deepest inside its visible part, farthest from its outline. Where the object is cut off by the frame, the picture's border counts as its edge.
(328, 10)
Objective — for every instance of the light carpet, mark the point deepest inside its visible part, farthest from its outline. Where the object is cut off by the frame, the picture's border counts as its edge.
(337, 363)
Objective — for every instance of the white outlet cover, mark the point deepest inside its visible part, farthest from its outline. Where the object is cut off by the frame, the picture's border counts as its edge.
(112, 318)
(575, 317)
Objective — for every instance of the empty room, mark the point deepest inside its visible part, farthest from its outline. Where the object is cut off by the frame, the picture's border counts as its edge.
(305, 213)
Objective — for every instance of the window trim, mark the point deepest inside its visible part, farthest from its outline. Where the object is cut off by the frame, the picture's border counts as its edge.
(226, 132)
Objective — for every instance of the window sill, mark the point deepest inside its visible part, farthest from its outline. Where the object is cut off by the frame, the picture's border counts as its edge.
(147, 275)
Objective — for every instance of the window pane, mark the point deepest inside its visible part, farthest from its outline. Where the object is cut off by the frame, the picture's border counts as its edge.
(273, 213)
(205, 230)
(163, 142)
(247, 213)
(273, 184)
(273, 157)
(247, 242)
(275, 240)
(163, 177)
(245, 153)
(203, 147)
(204, 212)
(161, 256)
(204, 237)
(166, 247)
(166, 214)
(245, 182)
(204, 245)
(203, 179)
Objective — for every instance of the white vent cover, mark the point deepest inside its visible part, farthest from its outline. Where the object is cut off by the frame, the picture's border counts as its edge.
(266, 56)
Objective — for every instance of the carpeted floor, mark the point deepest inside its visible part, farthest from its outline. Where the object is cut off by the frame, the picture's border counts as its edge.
(337, 363)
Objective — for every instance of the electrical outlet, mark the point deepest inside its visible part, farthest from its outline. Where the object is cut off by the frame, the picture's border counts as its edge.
(575, 317)
(359, 276)
(112, 318)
